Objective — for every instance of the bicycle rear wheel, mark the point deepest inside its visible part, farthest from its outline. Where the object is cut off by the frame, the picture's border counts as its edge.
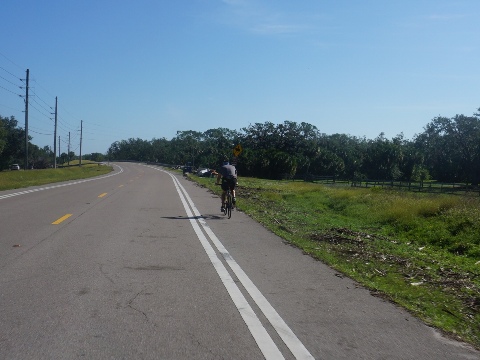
(229, 205)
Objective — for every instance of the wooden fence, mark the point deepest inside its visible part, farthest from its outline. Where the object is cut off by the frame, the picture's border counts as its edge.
(425, 186)
(315, 178)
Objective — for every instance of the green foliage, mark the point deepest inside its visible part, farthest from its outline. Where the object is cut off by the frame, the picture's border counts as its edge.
(401, 208)
(3, 136)
(448, 151)
(97, 157)
(448, 222)
(12, 142)
(452, 148)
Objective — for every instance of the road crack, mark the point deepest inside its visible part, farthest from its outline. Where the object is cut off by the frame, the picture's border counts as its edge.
(130, 305)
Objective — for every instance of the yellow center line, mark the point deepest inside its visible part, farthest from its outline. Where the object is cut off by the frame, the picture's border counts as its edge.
(102, 195)
(63, 218)
(120, 185)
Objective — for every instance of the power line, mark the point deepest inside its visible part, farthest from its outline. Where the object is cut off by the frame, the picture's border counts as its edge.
(9, 107)
(41, 119)
(40, 106)
(67, 125)
(62, 108)
(10, 91)
(8, 72)
(20, 67)
(38, 97)
(38, 129)
(36, 82)
(47, 116)
(63, 129)
(61, 122)
(47, 110)
(9, 81)
(38, 132)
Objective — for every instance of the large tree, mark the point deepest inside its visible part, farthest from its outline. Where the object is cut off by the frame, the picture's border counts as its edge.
(13, 139)
(452, 148)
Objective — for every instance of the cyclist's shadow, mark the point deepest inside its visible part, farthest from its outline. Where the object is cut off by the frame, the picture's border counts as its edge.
(205, 217)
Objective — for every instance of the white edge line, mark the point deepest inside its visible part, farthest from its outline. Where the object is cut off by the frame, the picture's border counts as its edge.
(267, 346)
(288, 336)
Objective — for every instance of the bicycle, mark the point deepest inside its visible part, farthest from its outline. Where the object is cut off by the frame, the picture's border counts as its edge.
(227, 209)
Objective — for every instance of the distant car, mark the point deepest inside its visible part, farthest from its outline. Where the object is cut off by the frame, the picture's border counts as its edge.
(203, 172)
(15, 167)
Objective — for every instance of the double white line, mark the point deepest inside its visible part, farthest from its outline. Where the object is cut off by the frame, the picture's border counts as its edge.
(265, 343)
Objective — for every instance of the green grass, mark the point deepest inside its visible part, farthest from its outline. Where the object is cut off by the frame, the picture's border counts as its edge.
(26, 178)
(420, 251)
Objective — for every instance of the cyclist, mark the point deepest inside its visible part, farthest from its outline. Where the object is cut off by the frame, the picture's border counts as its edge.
(228, 177)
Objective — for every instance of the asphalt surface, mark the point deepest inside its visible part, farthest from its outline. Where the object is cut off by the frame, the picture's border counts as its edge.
(141, 264)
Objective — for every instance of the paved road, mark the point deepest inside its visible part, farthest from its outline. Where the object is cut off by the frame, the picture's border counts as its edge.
(141, 265)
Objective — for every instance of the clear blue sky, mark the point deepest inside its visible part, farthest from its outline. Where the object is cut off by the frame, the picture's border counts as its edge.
(149, 68)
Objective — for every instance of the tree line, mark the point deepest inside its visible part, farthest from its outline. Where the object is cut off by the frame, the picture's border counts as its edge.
(448, 150)
(12, 149)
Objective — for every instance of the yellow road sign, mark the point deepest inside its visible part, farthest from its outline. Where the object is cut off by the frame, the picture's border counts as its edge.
(238, 150)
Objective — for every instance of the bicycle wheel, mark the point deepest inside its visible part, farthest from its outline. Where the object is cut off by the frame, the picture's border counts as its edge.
(228, 206)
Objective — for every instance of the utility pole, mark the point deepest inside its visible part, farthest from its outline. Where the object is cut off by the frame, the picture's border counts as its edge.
(68, 154)
(81, 132)
(59, 147)
(55, 137)
(26, 120)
